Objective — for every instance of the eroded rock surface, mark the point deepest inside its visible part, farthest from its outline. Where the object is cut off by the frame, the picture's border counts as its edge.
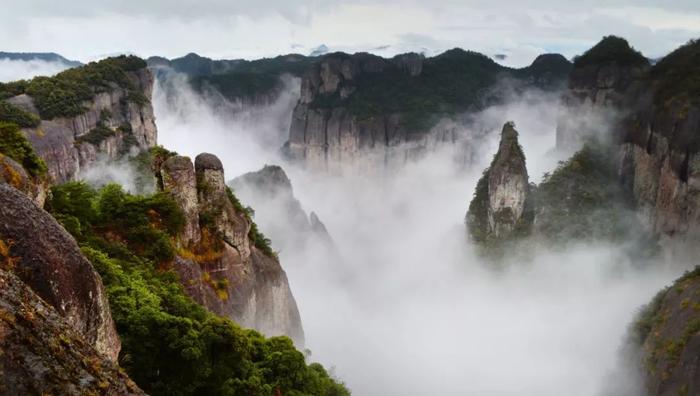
(42, 354)
(49, 261)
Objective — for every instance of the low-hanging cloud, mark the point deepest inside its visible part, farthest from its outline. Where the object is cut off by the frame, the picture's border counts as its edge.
(11, 70)
(409, 308)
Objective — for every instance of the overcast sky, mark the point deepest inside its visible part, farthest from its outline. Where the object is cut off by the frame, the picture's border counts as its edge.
(90, 29)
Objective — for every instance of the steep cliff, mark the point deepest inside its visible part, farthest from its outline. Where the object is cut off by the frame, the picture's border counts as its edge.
(80, 115)
(500, 204)
(656, 129)
(224, 262)
(665, 339)
(363, 104)
(272, 192)
(49, 261)
(43, 354)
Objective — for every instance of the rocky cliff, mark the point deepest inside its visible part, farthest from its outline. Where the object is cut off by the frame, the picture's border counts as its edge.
(273, 194)
(665, 339)
(656, 128)
(43, 354)
(352, 105)
(499, 205)
(224, 262)
(45, 257)
(100, 110)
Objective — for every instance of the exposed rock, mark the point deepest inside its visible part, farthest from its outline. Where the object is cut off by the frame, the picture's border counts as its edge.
(499, 203)
(272, 192)
(224, 270)
(42, 354)
(656, 129)
(352, 110)
(666, 339)
(58, 141)
(49, 261)
(179, 179)
(14, 174)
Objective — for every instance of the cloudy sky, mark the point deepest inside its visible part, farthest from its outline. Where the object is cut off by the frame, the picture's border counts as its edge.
(90, 29)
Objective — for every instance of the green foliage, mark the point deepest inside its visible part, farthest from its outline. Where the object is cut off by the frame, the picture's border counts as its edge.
(239, 85)
(14, 145)
(677, 75)
(15, 115)
(259, 240)
(477, 216)
(583, 200)
(170, 344)
(611, 49)
(96, 135)
(63, 95)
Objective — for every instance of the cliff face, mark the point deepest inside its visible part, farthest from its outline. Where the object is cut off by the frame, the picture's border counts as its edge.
(43, 354)
(666, 339)
(656, 129)
(272, 192)
(49, 261)
(115, 119)
(499, 204)
(353, 105)
(224, 263)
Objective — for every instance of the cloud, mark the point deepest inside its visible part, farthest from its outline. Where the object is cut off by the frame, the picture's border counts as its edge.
(11, 70)
(223, 29)
(409, 308)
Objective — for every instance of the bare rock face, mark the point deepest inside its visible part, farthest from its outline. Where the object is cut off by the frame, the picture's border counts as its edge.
(224, 270)
(500, 201)
(49, 261)
(43, 354)
(666, 337)
(179, 179)
(273, 194)
(64, 143)
(14, 174)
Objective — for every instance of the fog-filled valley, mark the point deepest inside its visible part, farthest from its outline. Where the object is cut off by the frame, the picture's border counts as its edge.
(404, 304)
(339, 224)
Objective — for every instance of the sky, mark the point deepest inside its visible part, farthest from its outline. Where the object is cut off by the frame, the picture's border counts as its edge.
(85, 30)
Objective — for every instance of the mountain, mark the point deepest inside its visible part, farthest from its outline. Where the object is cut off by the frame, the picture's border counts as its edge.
(253, 82)
(161, 275)
(355, 104)
(43, 56)
(102, 109)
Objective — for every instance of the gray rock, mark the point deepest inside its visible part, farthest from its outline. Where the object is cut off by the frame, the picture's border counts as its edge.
(50, 262)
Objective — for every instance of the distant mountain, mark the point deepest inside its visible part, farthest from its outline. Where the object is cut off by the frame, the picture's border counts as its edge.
(44, 56)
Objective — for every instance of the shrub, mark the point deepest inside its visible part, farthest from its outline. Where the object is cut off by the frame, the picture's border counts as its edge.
(170, 344)
(63, 95)
(14, 145)
(15, 115)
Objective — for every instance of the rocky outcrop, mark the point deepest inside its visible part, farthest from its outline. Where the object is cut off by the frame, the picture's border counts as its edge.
(664, 341)
(362, 109)
(16, 176)
(272, 192)
(656, 129)
(499, 204)
(118, 119)
(49, 261)
(229, 269)
(43, 354)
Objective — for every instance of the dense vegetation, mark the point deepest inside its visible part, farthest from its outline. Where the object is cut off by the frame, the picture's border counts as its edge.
(13, 114)
(452, 82)
(678, 74)
(14, 145)
(170, 344)
(583, 200)
(64, 94)
(611, 49)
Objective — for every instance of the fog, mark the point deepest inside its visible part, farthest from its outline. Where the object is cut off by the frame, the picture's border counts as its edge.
(11, 70)
(409, 308)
